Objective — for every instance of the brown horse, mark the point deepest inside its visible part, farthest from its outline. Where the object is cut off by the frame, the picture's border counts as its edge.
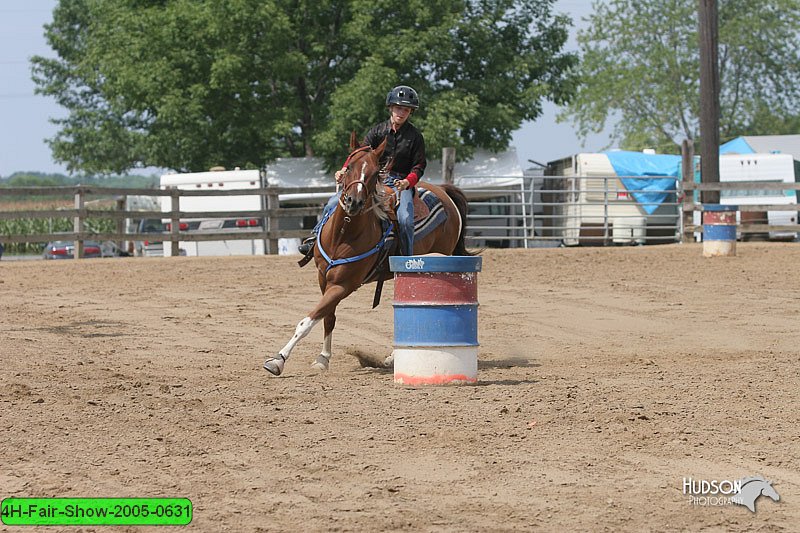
(347, 253)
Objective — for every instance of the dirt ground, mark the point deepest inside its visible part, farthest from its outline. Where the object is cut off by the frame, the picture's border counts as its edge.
(606, 377)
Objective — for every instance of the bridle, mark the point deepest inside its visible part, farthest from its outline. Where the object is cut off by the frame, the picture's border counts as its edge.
(387, 231)
(362, 181)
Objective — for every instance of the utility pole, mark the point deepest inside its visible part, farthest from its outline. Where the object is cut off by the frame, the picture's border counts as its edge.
(709, 98)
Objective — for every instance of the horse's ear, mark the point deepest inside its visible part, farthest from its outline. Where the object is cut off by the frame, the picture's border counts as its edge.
(353, 140)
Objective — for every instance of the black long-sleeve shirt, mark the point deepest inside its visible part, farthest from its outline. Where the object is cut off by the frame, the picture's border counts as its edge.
(406, 148)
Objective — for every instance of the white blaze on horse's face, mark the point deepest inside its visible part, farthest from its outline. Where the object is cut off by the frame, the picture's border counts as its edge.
(360, 186)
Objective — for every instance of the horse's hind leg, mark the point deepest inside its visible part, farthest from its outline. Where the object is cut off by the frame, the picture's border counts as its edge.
(275, 364)
(324, 358)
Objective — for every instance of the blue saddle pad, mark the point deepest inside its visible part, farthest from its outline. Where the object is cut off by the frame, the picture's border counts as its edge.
(436, 216)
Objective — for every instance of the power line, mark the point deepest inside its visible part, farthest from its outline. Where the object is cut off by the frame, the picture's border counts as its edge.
(23, 10)
(9, 96)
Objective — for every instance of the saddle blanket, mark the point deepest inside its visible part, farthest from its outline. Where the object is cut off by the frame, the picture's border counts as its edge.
(426, 224)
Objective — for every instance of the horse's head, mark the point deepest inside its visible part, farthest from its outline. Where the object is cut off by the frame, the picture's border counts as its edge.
(360, 176)
(769, 491)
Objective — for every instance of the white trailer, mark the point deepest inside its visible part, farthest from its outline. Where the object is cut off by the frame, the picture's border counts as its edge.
(222, 180)
(596, 202)
(769, 168)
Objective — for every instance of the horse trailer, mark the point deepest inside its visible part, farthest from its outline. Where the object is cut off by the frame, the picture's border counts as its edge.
(222, 180)
(587, 202)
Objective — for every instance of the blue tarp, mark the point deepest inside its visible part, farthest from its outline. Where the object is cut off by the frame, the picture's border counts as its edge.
(641, 164)
(736, 146)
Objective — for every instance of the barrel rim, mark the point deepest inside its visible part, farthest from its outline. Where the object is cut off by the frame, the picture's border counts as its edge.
(435, 263)
(720, 207)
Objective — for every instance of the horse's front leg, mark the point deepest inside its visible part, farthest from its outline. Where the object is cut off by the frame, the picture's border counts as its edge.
(327, 305)
(324, 358)
(275, 364)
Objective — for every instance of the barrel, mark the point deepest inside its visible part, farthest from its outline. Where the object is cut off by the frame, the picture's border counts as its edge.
(435, 319)
(719, 230)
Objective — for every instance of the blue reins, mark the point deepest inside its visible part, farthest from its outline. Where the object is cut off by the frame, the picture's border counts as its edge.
(336, 262)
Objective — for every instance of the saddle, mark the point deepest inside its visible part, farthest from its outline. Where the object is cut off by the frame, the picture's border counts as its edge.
(421, 209)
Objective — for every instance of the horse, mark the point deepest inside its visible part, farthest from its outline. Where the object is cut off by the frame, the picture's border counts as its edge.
(752, 488)
(348, 250)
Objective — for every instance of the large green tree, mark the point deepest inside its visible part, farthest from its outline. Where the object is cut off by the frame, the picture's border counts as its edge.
(640, 69)
(188, 84)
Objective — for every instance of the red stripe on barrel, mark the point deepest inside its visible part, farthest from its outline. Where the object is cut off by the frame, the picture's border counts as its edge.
(436, 287)
(722, 218)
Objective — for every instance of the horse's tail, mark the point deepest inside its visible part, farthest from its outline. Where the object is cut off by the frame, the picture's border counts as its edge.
(462, 205)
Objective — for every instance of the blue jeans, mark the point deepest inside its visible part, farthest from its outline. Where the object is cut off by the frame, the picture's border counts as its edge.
(405, 219)
(405, 216)
(327, 210)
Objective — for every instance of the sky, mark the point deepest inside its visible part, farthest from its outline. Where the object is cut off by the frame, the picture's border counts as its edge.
(25, 117)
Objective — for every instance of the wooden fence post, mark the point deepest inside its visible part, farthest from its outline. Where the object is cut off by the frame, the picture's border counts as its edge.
(77, 223)
(121, 201)
(448, 164)
(273, 203)
(175, 195)
(687, 171)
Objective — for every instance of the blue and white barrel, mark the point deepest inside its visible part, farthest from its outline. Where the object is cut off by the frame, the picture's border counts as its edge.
(719, 230)
(435, 319)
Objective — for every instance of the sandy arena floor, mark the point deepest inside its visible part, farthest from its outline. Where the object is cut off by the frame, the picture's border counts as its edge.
(606, 377)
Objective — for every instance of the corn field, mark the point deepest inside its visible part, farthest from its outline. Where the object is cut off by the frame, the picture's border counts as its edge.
(31, 226)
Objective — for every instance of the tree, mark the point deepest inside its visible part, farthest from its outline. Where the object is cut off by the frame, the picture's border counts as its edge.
(189, 84)
(640, 66)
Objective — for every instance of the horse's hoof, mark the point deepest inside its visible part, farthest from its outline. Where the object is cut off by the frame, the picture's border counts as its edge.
(389, 361)
(321, 364)
(274, 365)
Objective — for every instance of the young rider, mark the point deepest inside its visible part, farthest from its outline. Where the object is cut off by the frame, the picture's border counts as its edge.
(405, 146)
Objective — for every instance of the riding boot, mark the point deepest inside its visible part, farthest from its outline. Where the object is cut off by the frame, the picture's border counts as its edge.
(308, 244)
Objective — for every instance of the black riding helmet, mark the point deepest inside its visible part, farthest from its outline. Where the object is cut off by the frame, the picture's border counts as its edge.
(403, 95)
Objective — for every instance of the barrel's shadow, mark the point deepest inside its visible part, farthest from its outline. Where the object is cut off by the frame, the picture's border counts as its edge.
(507, 363)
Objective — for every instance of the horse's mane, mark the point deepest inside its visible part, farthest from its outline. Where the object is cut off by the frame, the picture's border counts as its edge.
(379, 205)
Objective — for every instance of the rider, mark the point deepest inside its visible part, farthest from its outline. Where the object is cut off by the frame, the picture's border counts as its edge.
(405, 146)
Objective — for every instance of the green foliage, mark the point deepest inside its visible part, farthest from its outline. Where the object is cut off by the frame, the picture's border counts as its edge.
(39, 179)
(640, 67)
(34, 226)
(190, 84)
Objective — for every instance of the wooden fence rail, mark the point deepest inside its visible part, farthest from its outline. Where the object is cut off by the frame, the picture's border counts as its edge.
(83, 213)
(689, 205)
(269, 214)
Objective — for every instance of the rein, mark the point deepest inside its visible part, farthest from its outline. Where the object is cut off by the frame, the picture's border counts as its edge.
(343, 261)
(377, 247)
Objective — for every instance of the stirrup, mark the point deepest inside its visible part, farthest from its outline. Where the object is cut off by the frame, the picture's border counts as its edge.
(307, 244)
(306, 248)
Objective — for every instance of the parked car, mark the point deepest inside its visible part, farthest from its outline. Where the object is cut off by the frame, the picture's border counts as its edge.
(111, 249)
(151, 248)
(66, 250)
